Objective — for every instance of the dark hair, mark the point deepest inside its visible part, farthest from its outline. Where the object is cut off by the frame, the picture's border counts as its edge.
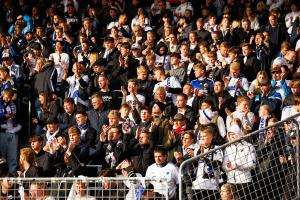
(69, 100)
(82, 112)
(161, 149)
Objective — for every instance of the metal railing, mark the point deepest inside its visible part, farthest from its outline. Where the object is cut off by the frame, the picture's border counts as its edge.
(251, 167)
(129, 188)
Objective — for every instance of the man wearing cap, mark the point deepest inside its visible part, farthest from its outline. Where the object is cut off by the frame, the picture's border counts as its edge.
(268, 97)
(236, 84)
(15, 71)
(136, 50)
(279, 84)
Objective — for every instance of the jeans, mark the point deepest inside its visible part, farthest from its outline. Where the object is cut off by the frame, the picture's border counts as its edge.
(9, 150)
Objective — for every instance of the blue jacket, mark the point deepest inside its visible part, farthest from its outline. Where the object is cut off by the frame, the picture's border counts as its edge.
(273, 100)
(287, 91)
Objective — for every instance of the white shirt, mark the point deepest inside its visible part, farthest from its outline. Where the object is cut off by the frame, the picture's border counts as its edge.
(130, 99)
(60, 61)
(168, 172)
(183, 7)
(289, 111)
(233, 90)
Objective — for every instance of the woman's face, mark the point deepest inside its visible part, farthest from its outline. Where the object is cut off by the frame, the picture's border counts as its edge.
(260, 77)
(226, 194)
(42, 99)
(232, 136)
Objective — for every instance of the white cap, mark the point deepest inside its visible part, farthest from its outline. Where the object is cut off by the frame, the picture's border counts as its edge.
(235, 129)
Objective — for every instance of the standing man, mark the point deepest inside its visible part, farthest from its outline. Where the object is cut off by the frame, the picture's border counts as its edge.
(162, 169)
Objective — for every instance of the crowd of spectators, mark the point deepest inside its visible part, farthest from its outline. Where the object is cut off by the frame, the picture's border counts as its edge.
(140, 86)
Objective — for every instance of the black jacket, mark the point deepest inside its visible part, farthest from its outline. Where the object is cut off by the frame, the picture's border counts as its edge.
(45, 80)
(66, 121)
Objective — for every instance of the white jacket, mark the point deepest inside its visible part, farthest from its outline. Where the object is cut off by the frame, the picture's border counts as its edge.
(243, 156)
(207, 183)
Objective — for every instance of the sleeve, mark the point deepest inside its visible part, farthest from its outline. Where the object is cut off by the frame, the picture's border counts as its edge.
(176, 175)
(285, 113)
(285, 88)
(288, 21)
(228, 121)
(221, 126)
(250, 161)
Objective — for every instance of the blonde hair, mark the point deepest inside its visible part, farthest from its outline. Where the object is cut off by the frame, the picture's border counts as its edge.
(113, 113)
(141, 69)
(230, 188)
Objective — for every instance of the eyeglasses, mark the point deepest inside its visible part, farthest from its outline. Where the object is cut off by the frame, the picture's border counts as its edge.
(276, 72)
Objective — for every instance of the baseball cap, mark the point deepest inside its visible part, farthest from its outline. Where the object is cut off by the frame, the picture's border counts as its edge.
(179, 116)
(135, 46)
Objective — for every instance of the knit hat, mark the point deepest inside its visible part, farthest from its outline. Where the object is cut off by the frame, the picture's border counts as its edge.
(235, 129)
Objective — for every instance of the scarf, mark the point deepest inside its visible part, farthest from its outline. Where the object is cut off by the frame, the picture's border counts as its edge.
(179, 129)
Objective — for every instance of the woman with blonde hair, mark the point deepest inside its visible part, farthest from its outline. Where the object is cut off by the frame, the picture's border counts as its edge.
(255, 85)
(227, 192)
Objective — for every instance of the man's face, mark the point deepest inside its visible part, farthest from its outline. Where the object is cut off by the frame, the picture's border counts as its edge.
(258, 40)
(273, 20)
(159, 158)
(174, 60)
(74, 138)
(224, 51)
(244, 106)
(234, 72)
(295, 90)
(103, 82)
(160, 95)
(187, 90)
(69, 107)
(145, 115)
(80, 189)
(180, 102)
(246, 26)
(81, 119)
(97, 103)
(144, 139)
(276, 75)
(113, 134)
(113, 120)
(125, 52)
(132, 87)
(52, 127)
(199, 72)
(265, 88)
(246, 51)
(218, 87)
(206, 138)
(36, 145)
